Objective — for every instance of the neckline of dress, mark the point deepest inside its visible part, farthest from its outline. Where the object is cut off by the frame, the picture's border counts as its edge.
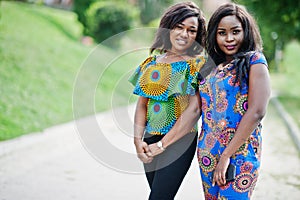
(166, 63)
(221, 66)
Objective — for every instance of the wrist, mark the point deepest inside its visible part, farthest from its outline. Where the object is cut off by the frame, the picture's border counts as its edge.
(224, 155)
(160, 145)
(137, 140)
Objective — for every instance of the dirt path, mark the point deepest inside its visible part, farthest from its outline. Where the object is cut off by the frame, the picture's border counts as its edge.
(59, 165)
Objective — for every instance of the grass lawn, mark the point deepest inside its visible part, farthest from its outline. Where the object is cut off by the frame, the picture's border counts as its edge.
(287, 80)
(41, 56)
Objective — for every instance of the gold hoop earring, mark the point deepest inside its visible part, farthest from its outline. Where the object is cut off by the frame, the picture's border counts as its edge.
(215, 49)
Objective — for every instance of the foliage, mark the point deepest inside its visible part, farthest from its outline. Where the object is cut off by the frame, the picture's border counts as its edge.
(80, 7)
(281, 17)
(286, 83)
(40, 57)
(152, 9)
(107, 19)
(40, 54)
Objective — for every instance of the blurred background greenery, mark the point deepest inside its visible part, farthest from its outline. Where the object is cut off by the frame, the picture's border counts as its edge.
(43, 43)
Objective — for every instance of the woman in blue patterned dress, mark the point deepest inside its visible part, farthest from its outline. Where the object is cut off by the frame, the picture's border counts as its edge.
(234, 99)
(167, 85)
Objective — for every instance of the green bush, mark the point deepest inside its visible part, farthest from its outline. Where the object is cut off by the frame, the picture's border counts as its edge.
(80, 7)
(152, 9)
(108, 19)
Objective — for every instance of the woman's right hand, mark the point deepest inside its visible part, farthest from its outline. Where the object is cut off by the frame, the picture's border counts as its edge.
(143, 151)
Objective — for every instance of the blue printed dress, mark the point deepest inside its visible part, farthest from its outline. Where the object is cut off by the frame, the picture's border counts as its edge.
(223, 105)
(167, 87)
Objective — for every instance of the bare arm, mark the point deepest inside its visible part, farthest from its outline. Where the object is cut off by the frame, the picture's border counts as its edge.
(258, 98)
(183, 125)
(142, 148)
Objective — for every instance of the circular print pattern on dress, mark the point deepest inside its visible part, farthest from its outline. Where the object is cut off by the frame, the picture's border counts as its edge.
(209, 196)
(182, 85)
(156, 79)
(159, 115)
(207, 161)
(157, 107)
(180, 104)
(226, 136)
(208, 115)
(155, 75)
(247, 167)
(242, 149)
(243, 182)
(210, 140)
(241, 105)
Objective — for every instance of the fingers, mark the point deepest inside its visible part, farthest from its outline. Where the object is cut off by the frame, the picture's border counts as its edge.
(144, 158)
(155, 150)
(143, 152)
(219, 179)
(147, 150)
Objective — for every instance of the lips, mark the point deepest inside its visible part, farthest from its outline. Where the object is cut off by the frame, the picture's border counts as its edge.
(230, 47)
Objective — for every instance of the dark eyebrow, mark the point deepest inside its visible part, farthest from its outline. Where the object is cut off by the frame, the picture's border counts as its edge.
(236, 27)
(195, 27)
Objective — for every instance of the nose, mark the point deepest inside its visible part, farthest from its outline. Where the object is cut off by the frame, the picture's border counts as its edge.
(229, 37)
(184, 33)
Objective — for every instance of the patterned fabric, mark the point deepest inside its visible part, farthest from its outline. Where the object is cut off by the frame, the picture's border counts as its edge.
(223, 105)
(167, 87)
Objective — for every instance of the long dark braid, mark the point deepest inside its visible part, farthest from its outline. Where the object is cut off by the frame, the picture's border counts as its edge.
(242, 63)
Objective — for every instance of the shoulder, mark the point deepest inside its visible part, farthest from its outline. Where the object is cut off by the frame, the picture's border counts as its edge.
(147, 61)
(197, 61)
(201, 55)
(257, 57)
(139, 71)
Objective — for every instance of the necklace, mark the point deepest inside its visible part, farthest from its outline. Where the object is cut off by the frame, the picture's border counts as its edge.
(170, 57)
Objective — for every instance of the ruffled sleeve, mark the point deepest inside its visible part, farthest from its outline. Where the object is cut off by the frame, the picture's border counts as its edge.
(133, 79)
(195, 66)
(160, 81)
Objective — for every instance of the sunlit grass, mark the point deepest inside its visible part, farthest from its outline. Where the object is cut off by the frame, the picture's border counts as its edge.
(41, 55)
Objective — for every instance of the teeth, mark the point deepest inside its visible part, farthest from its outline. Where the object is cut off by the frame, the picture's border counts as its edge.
(181, 41)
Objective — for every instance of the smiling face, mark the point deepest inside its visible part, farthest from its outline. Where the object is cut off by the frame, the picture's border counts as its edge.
(183, 35)
(230, 35)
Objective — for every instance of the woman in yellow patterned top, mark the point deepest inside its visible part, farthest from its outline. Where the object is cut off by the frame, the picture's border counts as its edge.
(167, 85)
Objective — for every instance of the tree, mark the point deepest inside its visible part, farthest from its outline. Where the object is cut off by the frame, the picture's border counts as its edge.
(80, 7)
(106, 19)
(278, 20)
(152, 9)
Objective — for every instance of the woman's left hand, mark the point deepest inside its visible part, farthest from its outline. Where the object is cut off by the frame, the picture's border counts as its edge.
(155, 150)
(220, 171)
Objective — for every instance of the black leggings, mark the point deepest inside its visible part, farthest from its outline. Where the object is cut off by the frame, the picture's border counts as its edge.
(167, 170)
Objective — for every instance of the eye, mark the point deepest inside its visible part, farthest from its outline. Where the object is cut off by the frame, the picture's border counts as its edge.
(193, 31)
(179, 27)
(221, 33)
(235, 32)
